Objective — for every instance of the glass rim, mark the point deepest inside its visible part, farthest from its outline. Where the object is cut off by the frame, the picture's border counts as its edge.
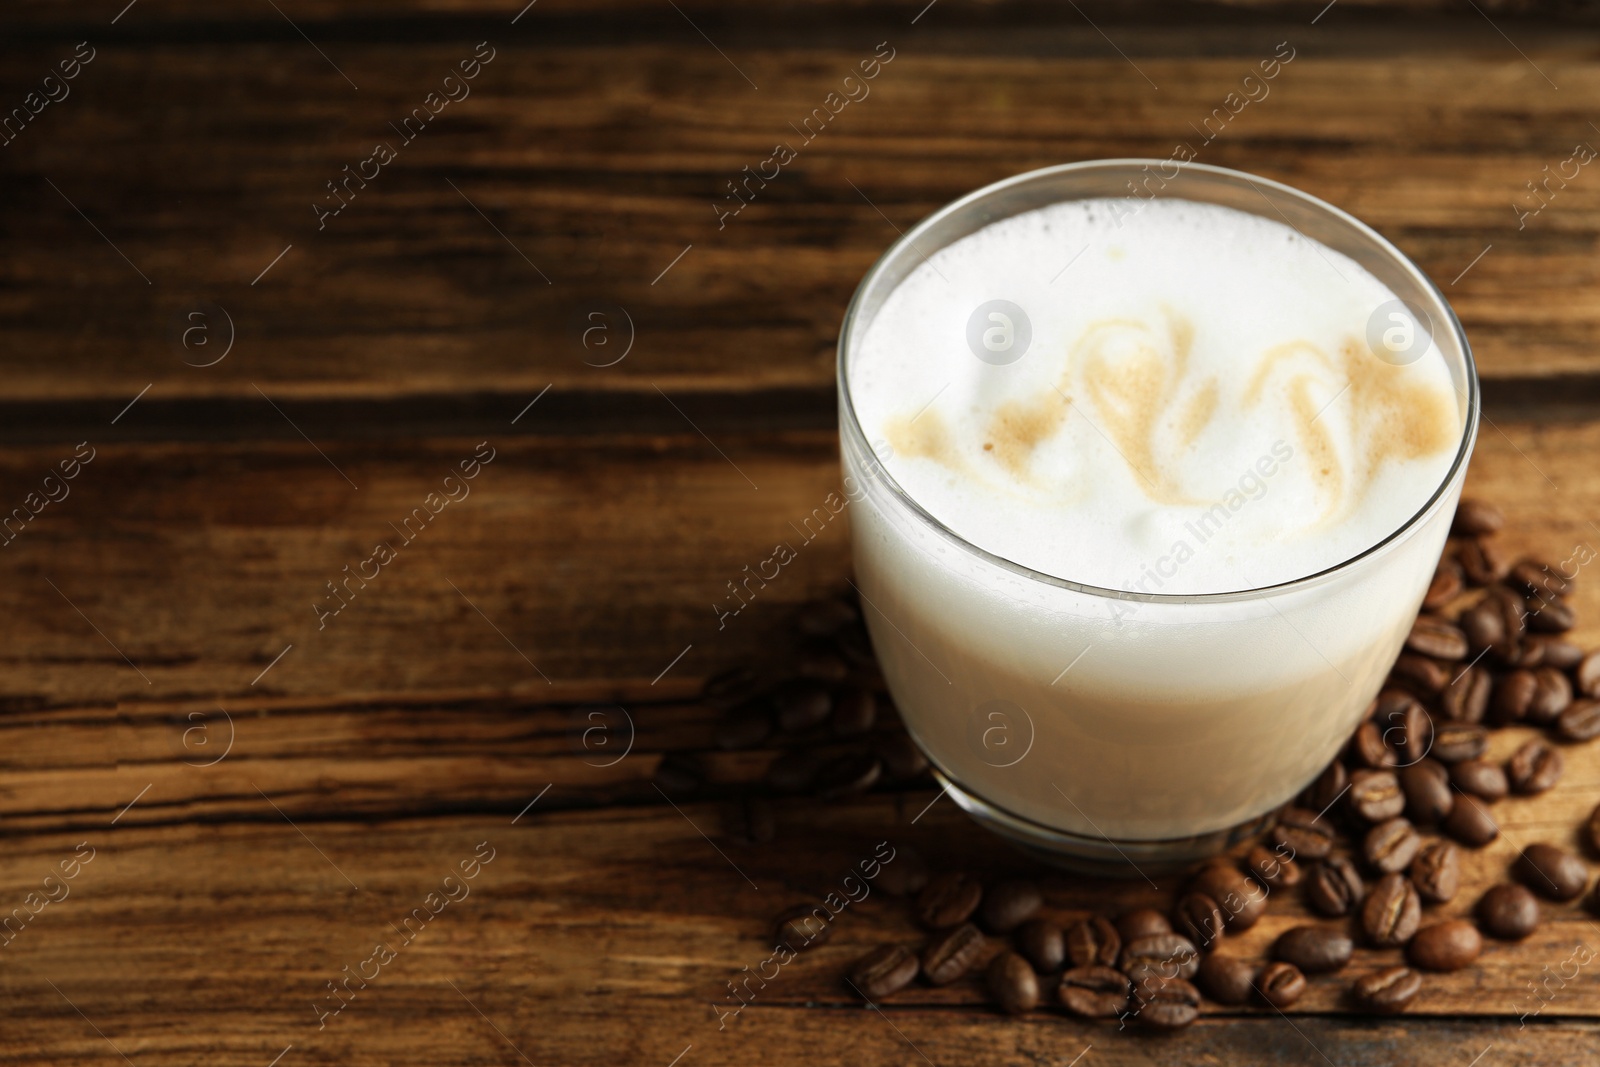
(850, 424)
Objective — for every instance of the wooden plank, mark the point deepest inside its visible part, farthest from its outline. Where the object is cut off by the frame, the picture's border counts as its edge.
(592, 558)
(199, 864)
(599, 164)
(222, 939)
(340, 775)
(598, 559)
(41, 13)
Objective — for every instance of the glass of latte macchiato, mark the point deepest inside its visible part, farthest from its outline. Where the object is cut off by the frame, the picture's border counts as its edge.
(1152, 466)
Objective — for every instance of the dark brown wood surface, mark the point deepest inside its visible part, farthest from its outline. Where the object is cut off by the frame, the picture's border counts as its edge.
(267, 794)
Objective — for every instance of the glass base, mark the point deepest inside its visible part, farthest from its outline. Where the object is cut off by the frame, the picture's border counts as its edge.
(1099, 856)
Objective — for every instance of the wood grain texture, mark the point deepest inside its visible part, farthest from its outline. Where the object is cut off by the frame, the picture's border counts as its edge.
(579, 559)
(600, 153)
(268, 796)
(594, 937)
(604, 899)
(597, 559)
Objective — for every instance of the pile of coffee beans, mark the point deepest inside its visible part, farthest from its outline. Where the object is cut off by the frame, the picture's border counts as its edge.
(1373, 845)
(824, 707)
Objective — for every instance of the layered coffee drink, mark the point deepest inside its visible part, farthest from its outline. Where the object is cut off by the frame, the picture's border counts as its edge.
(1151, 499)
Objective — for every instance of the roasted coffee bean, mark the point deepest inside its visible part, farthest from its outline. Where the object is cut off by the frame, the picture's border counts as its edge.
(847, 775)
(855, 713)
(1470, 823)
(745, 726)
(1552, 872)
(1271, 869)
(854, 644)
(1390, 701)
(1392, 911)
(951, 955)
(1333, 887)
(1525, 653)
(901, 757)
(1534, 767)
(1387, 991)
(1591, 831)
(1482, 560)
(730, 688)
(802, 705)
(1427, 795)
(1142, 922)
(1422, 674)
(1226, 979)
(1454, 742)
(749, 821)
(1436, 637)
(1445, 946)
(794, 772)
(1007, 905)
(1580, 721)
(884, 971)
(818, 662)
(1391, 845)
(1328, 787)
(1200, 919)
(1280, 984)
(1410, 733)
(1375, 795)
(802, 926)
(1303, 832)
(949, 899)
(1167, 955)
(1313, 949)
(1480, 778)
(1587, 674)
(823, 618)
(1512, 610)
(1369, 748)
(679, 772)
(1241, 899)
(1549, 614)
(1447, 584)
(1093, 941)
(1513, 694)
(1556, 652)
(1095, 992)
(1551, 694)
(1474, 518)
(1484, 625)
(1166, 1003)
(1508, 912)
(904, 876)
(1436, 872)
(1044, 944)
(1466, 698)
(1013, 986)
(1535, 576)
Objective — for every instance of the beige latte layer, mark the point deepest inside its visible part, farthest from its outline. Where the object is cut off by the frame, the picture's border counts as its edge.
(1201, 410)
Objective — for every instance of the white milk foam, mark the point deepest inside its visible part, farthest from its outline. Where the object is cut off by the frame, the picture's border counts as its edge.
(1198, 409)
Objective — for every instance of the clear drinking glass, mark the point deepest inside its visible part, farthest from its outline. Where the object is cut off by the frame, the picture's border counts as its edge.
(1185, 721)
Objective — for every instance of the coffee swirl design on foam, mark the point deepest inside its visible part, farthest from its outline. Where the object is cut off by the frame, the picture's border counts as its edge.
(1392, 417)
(1146, 402)
(1136, 385)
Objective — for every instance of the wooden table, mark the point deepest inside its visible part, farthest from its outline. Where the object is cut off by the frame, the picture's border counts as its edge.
(267, 789)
